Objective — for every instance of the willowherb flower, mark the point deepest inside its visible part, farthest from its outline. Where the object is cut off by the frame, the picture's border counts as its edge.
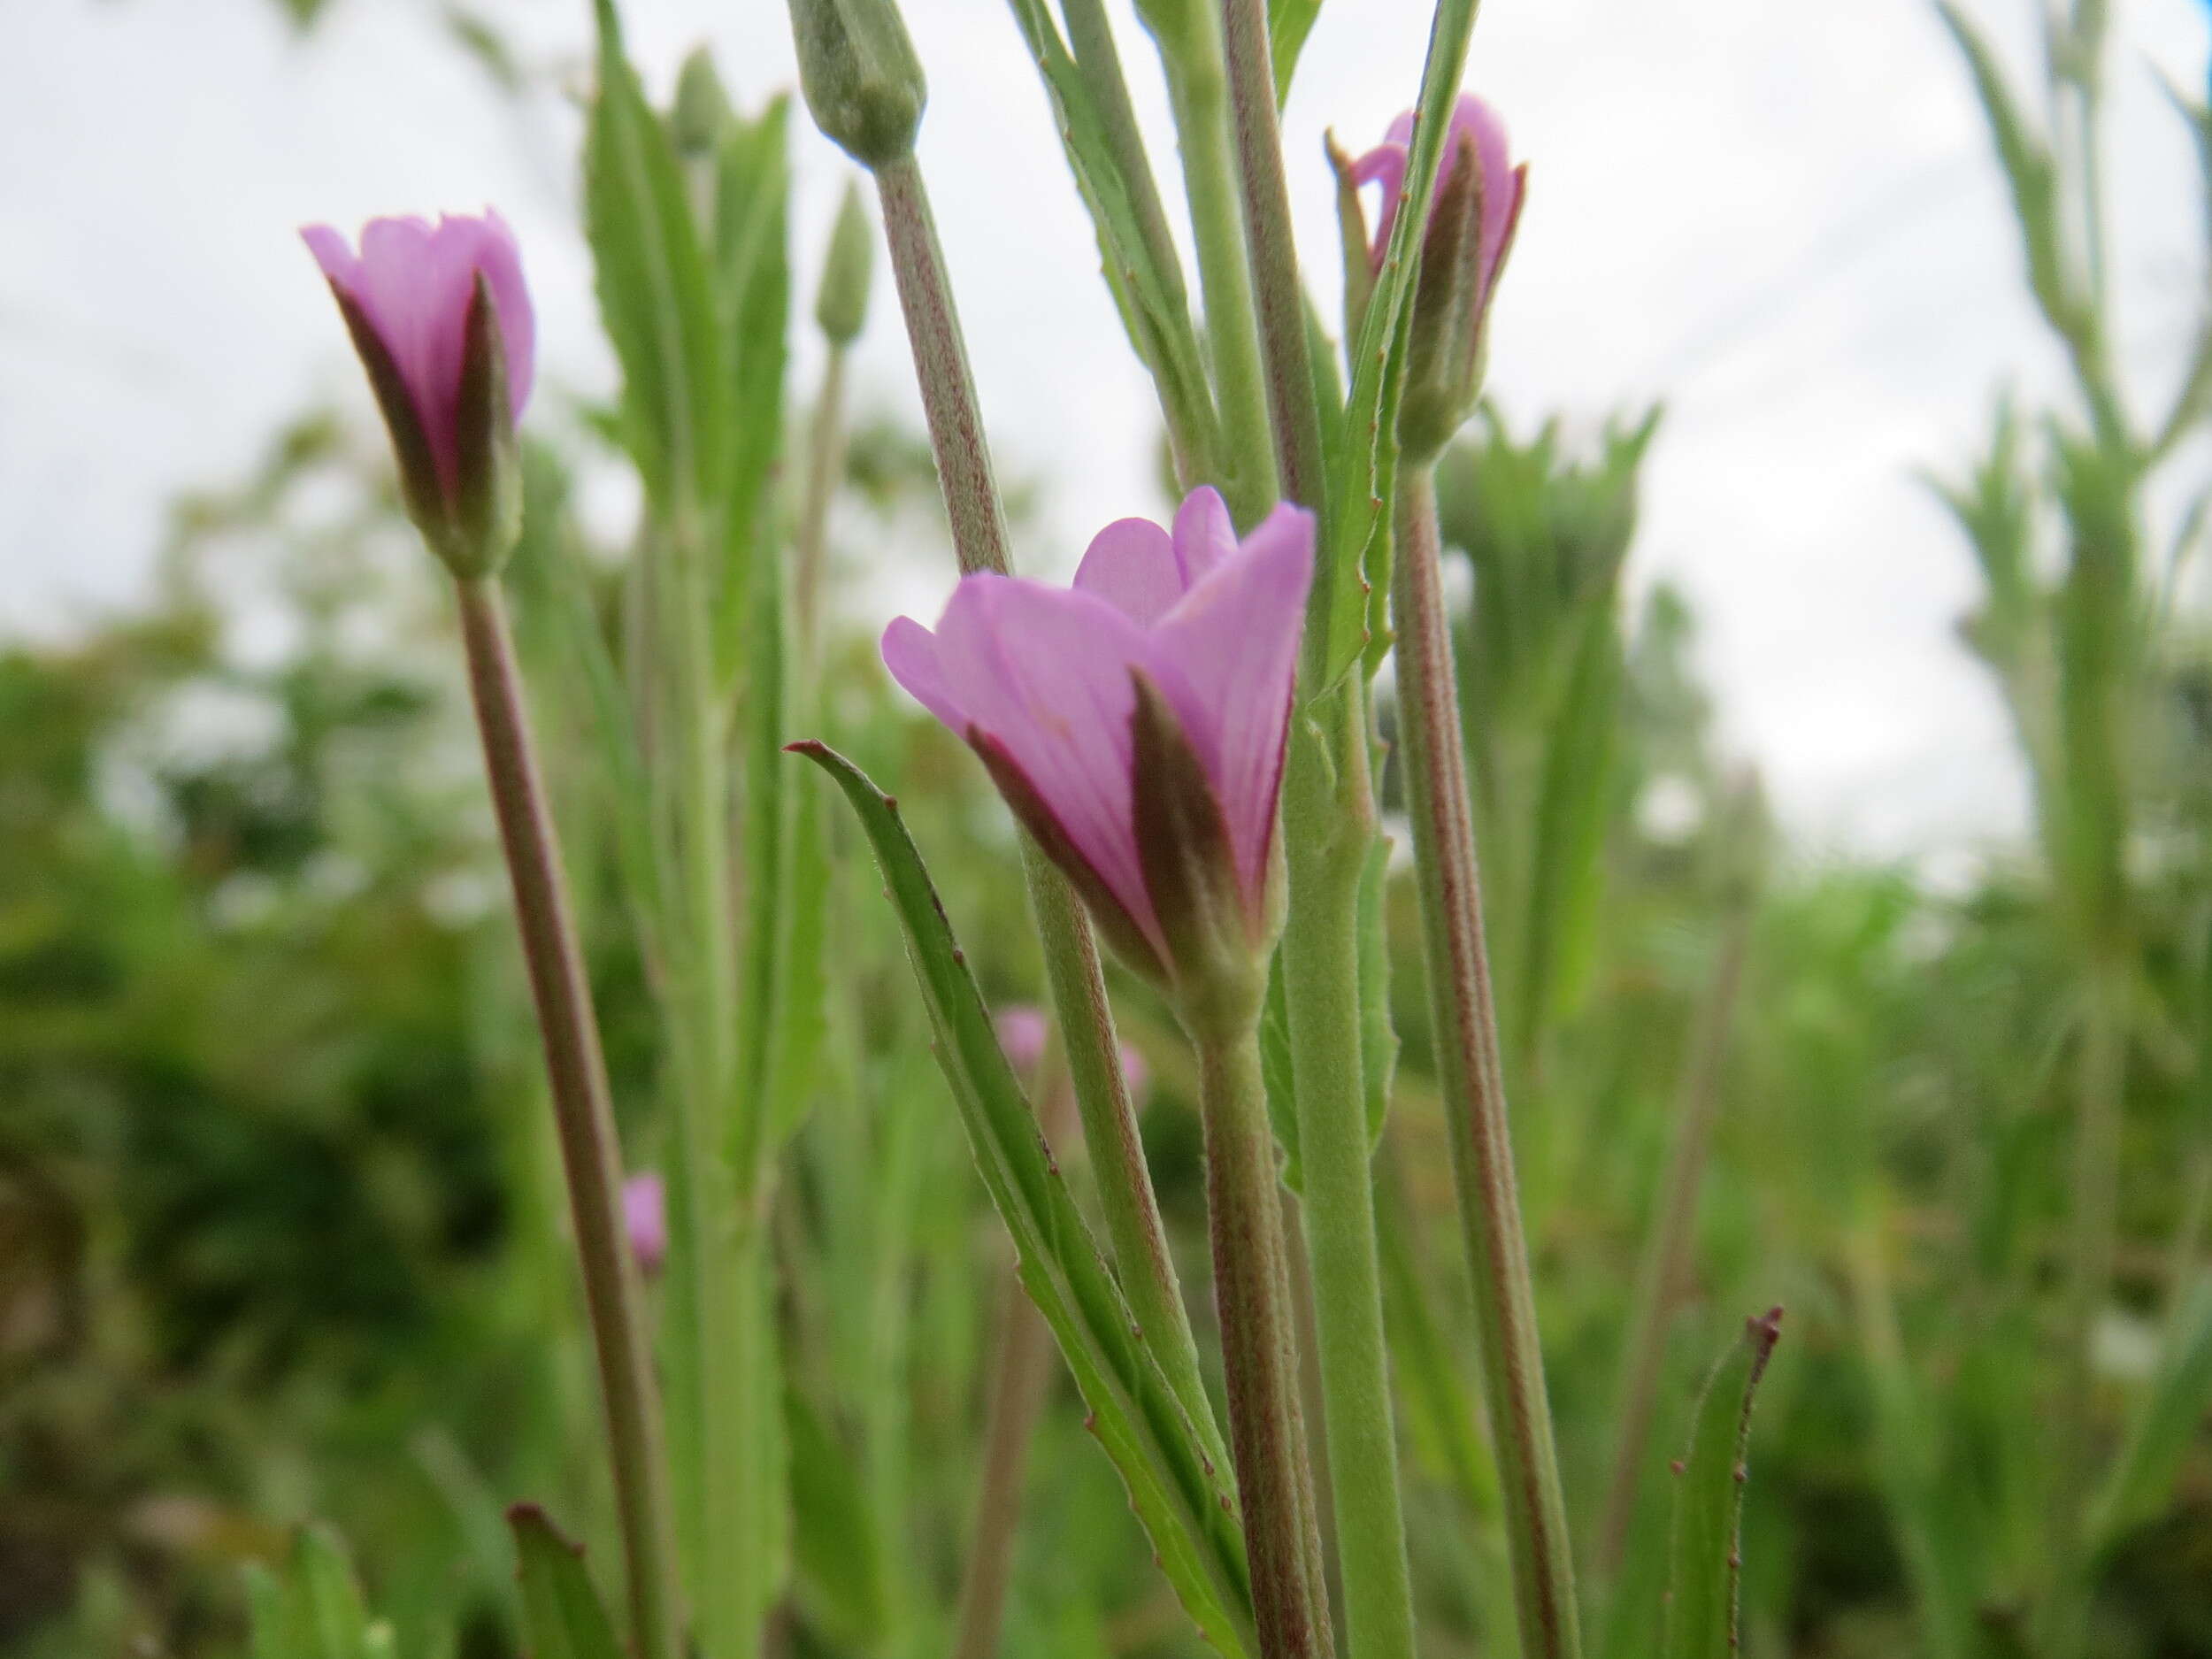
(1136, 725)
(645, 1220)
(1501, 185)
(442, 319)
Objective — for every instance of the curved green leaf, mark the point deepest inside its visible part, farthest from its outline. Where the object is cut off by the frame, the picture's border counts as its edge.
(563, 1616)
(1707, 1561)
(1184, 1501)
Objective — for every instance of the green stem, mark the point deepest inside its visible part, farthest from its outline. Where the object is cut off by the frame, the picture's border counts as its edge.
(1465, 1023)
(1020, 1372)
(826, 460)
(590, 1155)
(1258, 1343)
(2091, 1243)
(1328, 822)
(1664, 1269)
(1199, 95)
(1074, 973)
(1274, 255)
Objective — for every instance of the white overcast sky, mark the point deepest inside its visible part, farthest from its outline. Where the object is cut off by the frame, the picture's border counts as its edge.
(1778, 215)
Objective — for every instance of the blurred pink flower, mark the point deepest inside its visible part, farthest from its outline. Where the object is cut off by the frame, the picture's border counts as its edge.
(411, 287)
(1023, 1032)
(1042, 682)
(1475, 122)
(645, 1220)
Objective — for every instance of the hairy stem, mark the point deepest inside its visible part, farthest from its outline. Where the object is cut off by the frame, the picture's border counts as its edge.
(1273, 252)
(1258, 1345)
(1200, 95)
(1328, 822)
(1465, 1023)
(1075, 977)
(590, 1156)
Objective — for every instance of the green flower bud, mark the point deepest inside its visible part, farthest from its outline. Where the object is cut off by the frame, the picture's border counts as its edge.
(862, 80)
(841, 305)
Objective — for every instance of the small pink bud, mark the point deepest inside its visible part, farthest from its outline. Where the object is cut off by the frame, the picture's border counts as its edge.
(645, 1220)
(1023, 1032)
(442, 319)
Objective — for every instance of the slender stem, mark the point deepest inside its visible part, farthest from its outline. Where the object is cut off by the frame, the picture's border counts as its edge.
(1661, 1276)
(826, 460)
(1021, 1369)
(1329, 821)
(590, 1155)
(940, 365)
(1199, 94)
(1072, 971)
(1466, 1021)
(1274, 254)
(2091, 1241)
(1258, 1343)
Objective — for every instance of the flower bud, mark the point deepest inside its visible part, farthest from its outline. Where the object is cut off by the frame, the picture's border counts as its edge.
(860, 75)
(841, 305)
(1465, 239)
(441, 322)
(701, 114)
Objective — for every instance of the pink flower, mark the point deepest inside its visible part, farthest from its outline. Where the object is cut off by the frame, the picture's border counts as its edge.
(1043, 683)
(645, 1220)
(409, 298)
(1475, 122)
(1023, 1032)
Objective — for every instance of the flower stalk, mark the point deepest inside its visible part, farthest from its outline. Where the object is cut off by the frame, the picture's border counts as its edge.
(590, 1157)
(1075, 977)
(1258, 1343)
(1470, 1069)
(1328, 809)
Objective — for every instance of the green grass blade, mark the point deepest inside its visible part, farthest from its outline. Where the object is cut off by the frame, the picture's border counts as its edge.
(1183, 1502)
(563, 1616)
(2150, 1462)
(1288, 23)
(1708, 1562)
(656, 296)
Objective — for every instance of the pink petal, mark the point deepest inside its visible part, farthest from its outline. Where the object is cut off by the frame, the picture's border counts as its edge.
(1131, 565)
(645, 1219)
(1046, 672)
(1204, 535)
(1233, 643)
(910, 651)
(415, 283)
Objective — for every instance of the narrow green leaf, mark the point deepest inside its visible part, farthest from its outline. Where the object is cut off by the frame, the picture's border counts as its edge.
(655, 295)
(563, 1616)
(1276, 1075)
(2027, 166)
(323, 1579)
(1184, 1503)
(839, 1555)
(1379, 1035)
(1708, 1562)
(2168, 1419)
(1288, 23)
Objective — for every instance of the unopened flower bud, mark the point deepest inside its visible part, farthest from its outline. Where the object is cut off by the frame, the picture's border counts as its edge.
(441, 320)
(841, 305)
(1464, 241)
(701, 114)
(862, 80)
